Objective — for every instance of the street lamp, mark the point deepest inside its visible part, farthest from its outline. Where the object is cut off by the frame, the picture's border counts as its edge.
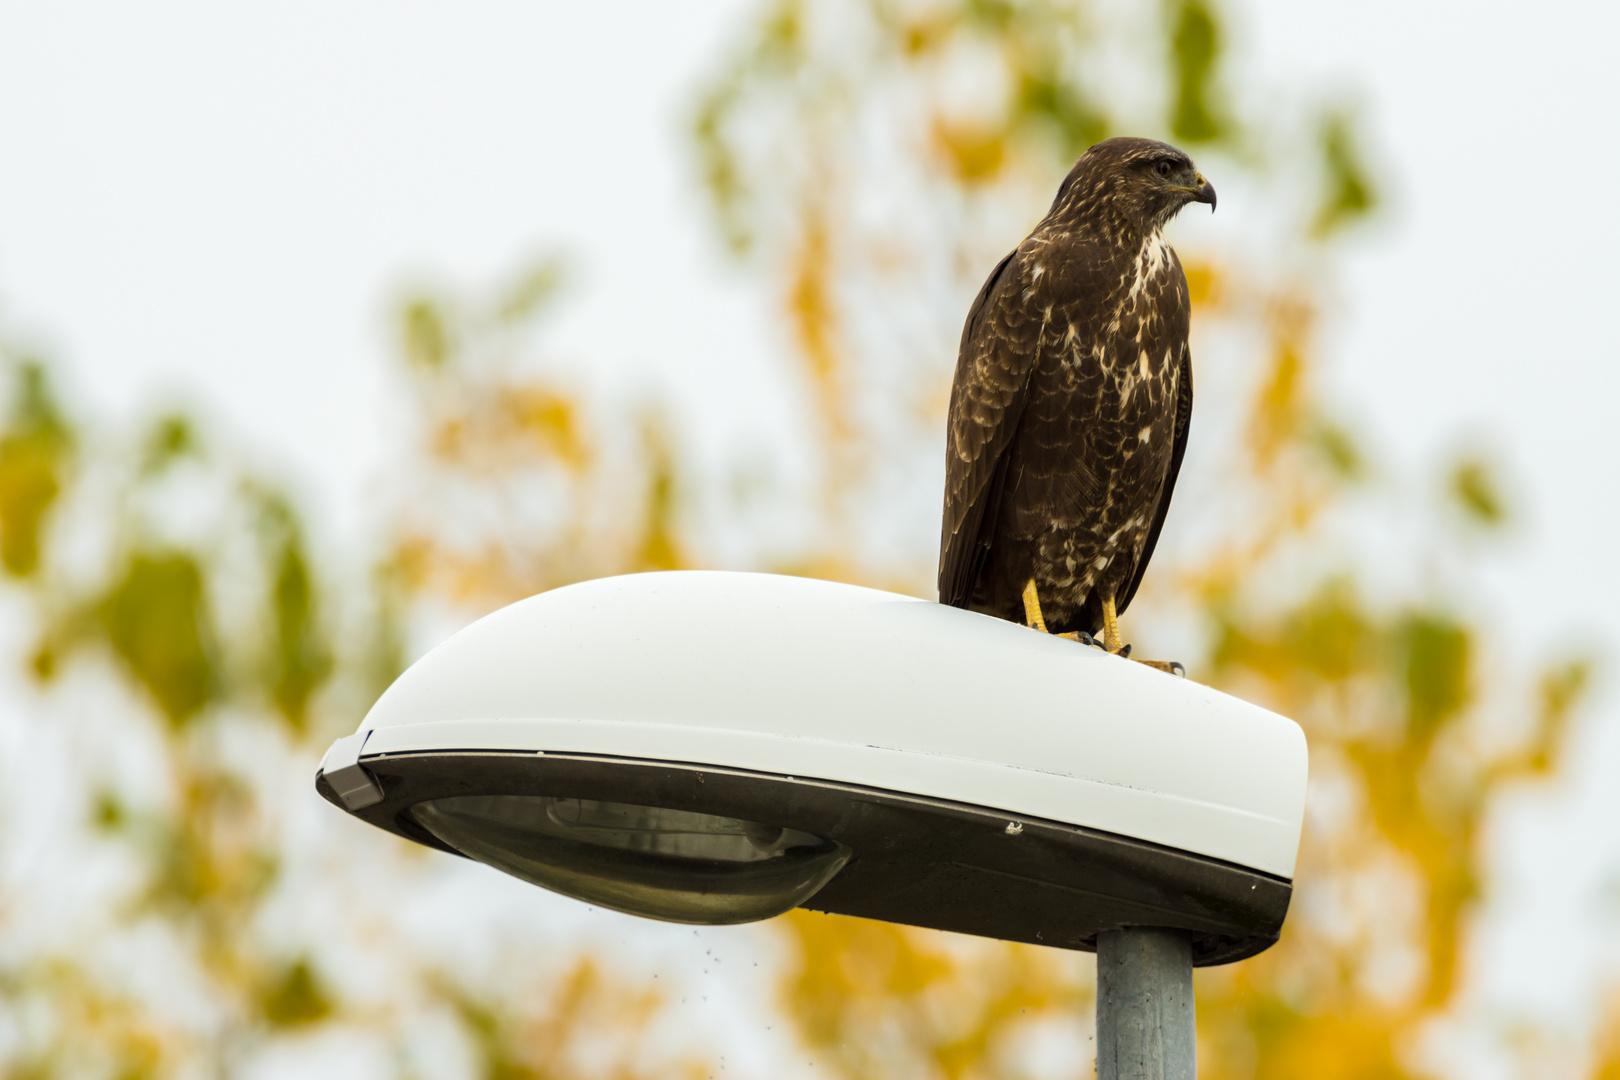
(709, 747)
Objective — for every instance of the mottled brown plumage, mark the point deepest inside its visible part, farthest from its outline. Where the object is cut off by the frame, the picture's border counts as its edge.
(1072, 396)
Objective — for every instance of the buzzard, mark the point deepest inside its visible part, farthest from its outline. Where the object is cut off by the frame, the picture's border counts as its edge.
(1071, 400)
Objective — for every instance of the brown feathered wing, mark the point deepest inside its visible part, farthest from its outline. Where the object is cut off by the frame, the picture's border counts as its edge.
(1000, 344)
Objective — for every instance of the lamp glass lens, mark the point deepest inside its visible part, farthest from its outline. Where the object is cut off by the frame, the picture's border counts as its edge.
(645, 860)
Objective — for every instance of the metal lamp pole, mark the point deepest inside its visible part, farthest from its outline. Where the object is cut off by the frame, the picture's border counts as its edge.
(1145, 1006)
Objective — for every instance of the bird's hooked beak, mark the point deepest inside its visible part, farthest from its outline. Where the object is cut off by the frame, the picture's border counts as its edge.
(1204, 192)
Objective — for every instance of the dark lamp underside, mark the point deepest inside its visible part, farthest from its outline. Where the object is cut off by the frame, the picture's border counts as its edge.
(684, 842)
(659, 862)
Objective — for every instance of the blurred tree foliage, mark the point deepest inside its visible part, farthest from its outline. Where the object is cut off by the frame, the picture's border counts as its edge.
(173, 598)
(872, 159)
(521, 480)
(1416, 726)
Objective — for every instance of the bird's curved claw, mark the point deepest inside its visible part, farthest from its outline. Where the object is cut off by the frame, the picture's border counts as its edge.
(1082, 638)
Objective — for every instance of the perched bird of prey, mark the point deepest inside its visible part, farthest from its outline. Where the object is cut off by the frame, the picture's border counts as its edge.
(1071, 400)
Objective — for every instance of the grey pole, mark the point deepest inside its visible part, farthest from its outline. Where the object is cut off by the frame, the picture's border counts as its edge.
(1145, 1006)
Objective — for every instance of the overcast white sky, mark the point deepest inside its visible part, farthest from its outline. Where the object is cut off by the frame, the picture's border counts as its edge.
(215, 203)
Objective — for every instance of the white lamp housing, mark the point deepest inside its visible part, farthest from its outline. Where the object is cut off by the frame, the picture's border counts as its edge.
(718, 747)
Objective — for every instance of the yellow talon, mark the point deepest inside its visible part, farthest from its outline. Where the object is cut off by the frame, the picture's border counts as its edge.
(1032, 607)
(1036, 621)
(1111, 640)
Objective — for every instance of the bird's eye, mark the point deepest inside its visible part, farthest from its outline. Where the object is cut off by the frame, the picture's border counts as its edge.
(1164, 168)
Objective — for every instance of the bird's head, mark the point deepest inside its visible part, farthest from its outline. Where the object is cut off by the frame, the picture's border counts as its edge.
(1144, 181)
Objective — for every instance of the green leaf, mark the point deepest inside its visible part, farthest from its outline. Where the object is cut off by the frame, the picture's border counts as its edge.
(1042, 95)
(300, 657)
(156, 620)
(1195, 49)
(170, 439)
(1474, 487)
(1339, 447)
(1438, 654)
(1348, 193)
(295, 998)
(35, 447)
(425, 334)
